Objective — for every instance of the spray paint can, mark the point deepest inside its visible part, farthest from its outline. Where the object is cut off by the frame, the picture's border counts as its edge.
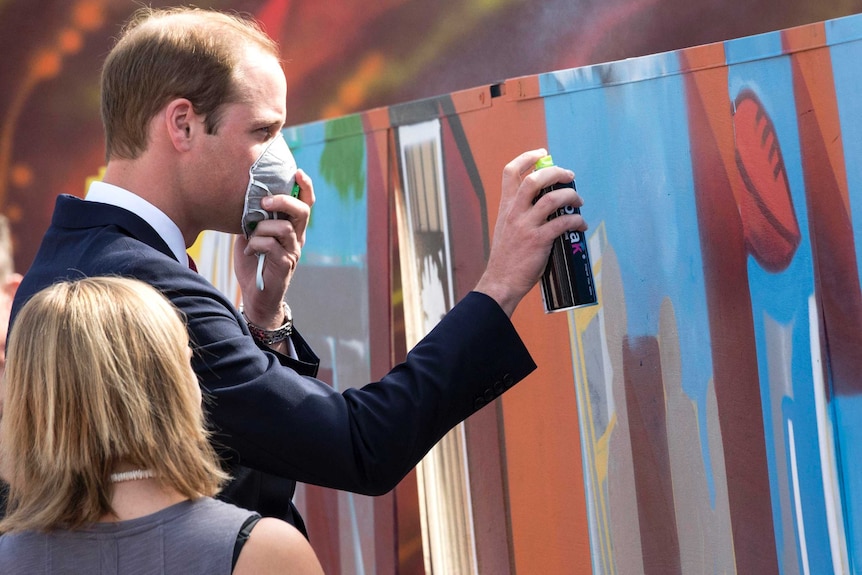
(567, 281)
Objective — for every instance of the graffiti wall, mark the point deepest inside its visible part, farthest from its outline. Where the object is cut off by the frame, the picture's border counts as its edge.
(705, 416)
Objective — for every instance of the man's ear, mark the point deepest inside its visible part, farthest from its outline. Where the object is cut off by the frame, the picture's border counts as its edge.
(180, 119)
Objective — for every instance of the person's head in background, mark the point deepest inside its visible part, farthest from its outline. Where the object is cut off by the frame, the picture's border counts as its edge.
(9, 282)
(98, 380)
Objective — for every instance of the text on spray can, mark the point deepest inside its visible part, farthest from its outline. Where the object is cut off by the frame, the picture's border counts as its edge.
(567, 281)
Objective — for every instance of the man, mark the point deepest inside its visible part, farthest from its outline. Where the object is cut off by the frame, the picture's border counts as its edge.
(190, 99)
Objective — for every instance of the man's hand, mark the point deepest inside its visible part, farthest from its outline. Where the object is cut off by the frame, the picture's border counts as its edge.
(281, 243)
(523, 235)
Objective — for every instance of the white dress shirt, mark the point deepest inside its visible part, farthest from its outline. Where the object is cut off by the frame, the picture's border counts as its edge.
(158, 220)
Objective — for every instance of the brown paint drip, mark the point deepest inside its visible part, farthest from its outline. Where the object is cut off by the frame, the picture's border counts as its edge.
(653, 482)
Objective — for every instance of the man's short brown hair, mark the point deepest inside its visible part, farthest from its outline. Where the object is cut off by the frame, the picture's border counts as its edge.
(172, 53)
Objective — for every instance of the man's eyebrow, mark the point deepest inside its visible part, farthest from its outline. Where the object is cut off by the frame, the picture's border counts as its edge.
(269, 123)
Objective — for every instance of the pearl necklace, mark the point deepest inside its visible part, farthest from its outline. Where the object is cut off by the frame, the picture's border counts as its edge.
(132, 475)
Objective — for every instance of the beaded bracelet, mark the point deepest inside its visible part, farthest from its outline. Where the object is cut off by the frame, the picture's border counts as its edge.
(271, 336)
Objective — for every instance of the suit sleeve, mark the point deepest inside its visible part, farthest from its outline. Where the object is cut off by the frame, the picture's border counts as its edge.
(272, 415)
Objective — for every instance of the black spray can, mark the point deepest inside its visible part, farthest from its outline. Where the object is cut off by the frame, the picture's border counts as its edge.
(568, 278)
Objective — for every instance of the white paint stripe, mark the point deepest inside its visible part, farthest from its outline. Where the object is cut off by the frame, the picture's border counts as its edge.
(800, 522)
(825, 440)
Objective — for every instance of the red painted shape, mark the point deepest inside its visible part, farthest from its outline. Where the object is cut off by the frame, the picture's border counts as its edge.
(768, 217)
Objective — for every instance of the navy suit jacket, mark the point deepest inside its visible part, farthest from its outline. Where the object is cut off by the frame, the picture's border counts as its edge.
(274, 422)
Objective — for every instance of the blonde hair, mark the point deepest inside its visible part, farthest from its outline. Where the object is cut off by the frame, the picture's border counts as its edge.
(169, 53)
(98, 374)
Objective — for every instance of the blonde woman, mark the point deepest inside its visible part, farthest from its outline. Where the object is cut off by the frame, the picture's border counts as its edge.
(103, 444)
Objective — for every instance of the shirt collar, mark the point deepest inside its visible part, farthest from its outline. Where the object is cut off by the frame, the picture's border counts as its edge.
(158, 220)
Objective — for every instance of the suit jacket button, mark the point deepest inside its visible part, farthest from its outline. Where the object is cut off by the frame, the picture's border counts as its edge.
(479, 403)
(508, 381)
(489, 394)
(498, 387)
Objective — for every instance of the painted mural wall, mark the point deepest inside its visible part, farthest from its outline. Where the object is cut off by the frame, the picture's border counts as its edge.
(705, 416)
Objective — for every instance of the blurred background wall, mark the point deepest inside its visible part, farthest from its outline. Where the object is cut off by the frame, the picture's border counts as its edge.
(340, 56)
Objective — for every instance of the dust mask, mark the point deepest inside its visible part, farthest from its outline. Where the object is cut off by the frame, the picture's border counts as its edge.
(274, 172)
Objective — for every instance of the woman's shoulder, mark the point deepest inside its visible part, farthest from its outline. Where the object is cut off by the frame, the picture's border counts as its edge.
(277, 547)
(219, 514)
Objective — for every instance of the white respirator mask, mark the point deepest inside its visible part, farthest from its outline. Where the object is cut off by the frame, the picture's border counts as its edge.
(274, 172)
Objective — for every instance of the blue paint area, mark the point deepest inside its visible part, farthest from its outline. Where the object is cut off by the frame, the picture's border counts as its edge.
(753, 48)
(338, 232)
(628, 145)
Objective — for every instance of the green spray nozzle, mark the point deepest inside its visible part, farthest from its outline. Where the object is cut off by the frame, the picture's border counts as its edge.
(545, 162)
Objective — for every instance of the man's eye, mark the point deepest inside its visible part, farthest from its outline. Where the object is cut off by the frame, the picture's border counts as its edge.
(267, 133)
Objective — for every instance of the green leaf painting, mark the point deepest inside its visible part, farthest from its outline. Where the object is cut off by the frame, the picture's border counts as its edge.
(342, 163)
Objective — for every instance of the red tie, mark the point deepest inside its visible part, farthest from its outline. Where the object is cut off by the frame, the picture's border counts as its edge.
(192, 265)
